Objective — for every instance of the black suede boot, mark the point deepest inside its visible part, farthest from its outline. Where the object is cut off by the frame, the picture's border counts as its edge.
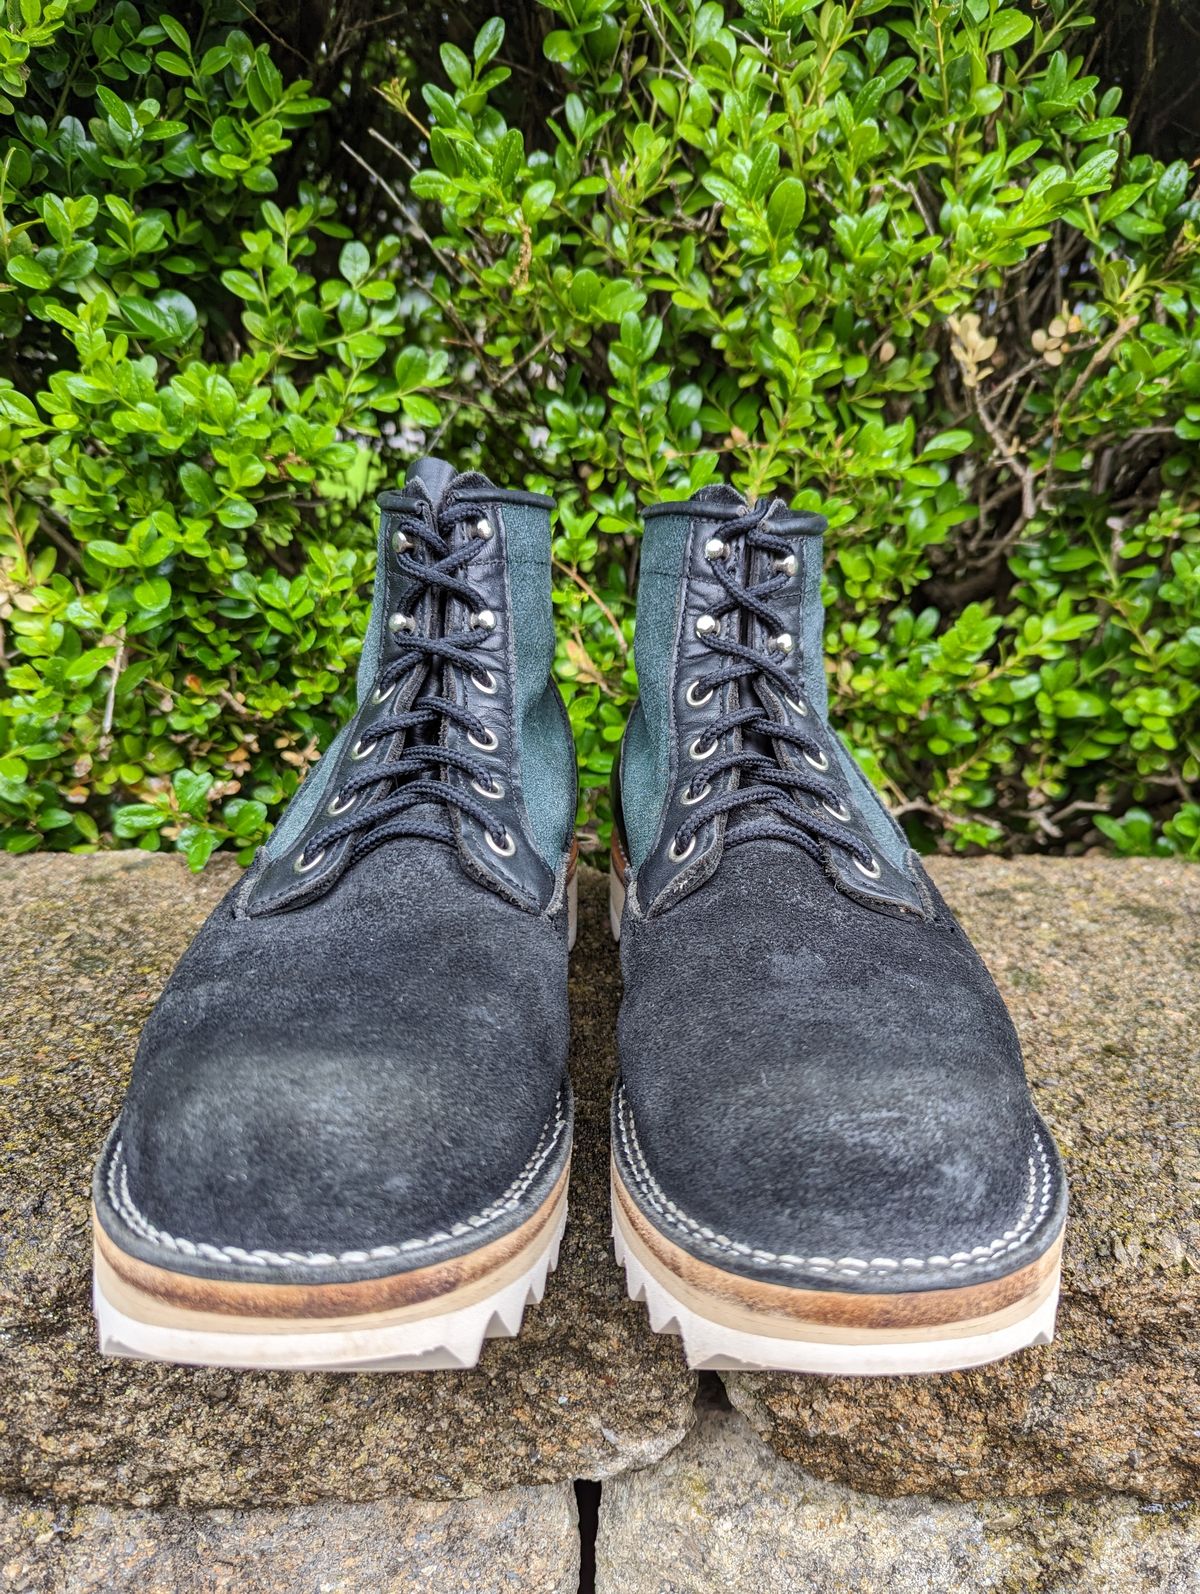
(346, 1139)
(825, 1155)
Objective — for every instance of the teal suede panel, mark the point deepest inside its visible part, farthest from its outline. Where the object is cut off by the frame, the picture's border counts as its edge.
(886, 834)
(641, 792)
(890, 842)
(812, 625)
(548, 776)
(545, 748)
(646, 752)
(368, 663)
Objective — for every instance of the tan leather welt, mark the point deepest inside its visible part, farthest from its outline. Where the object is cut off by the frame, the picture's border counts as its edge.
(783, 1313)
(573, 859)
(617, 856)
(159, 1295)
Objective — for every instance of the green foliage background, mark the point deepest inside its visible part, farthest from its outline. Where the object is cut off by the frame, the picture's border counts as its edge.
(902, 262)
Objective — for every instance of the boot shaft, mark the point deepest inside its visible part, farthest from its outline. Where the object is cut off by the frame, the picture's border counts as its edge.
(461, 615)
(672, 554)
(730, 634)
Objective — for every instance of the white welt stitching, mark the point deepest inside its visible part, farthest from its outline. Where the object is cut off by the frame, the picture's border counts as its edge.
(124, 1204)
(847, 1266)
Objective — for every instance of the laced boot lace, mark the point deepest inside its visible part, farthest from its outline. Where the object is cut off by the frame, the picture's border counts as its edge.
(432, 564)
(766, 791)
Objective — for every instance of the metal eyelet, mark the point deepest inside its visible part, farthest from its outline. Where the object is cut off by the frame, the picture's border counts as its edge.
(484, 620)
(401, 623)
(698, 702)
(490, 746)
(502, 849)
(798, 704)
(675, 855)
(485, 683)
(689, 800)
(401, 542)
(483, 528)
(841, 813)
(381, 695)
(819, 763)
(337, 806)
(787, 565)
(695, 753)
(305, 868)
(873, 872)
(358, 752)
(707, 625)
(714, 548)
(493, 793)
(783, 642)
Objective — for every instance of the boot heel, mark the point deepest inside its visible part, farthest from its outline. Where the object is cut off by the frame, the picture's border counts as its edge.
(572, 911)
(616, 902)
(618, 871)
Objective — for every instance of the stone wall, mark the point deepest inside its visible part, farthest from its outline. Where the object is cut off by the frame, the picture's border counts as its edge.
(724, 1511)
(1065, 1468)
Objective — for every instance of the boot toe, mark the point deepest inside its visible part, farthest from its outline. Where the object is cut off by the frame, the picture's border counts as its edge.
(363, 1090)
(831, 1095)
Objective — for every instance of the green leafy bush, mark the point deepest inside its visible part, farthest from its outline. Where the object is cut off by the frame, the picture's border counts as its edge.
(180, 415)
(896, 261)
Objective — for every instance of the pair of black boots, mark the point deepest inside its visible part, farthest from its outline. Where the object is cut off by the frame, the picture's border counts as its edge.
(347, 1138)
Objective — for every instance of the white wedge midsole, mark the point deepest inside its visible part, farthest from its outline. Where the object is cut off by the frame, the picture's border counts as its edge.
(132, 1322)
(714, 1336)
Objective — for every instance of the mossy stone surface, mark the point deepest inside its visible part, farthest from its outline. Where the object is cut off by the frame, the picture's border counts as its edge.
(725, 1512)
(516, 1539)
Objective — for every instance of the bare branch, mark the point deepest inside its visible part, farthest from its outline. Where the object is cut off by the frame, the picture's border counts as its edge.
(110, 702)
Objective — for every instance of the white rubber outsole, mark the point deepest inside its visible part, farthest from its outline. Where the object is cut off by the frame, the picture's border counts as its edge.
(709, 1345)
(447, 1340)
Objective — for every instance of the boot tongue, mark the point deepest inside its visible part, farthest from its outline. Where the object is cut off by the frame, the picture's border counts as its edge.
(471, 479)
(720, 494)
(435, 478)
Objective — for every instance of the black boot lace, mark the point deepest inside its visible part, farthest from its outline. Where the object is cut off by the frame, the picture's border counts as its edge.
(414, 779)
(765, 793)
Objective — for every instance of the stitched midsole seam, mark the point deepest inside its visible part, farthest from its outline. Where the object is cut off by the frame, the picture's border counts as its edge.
(1039, 1193)
(117, 1182)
